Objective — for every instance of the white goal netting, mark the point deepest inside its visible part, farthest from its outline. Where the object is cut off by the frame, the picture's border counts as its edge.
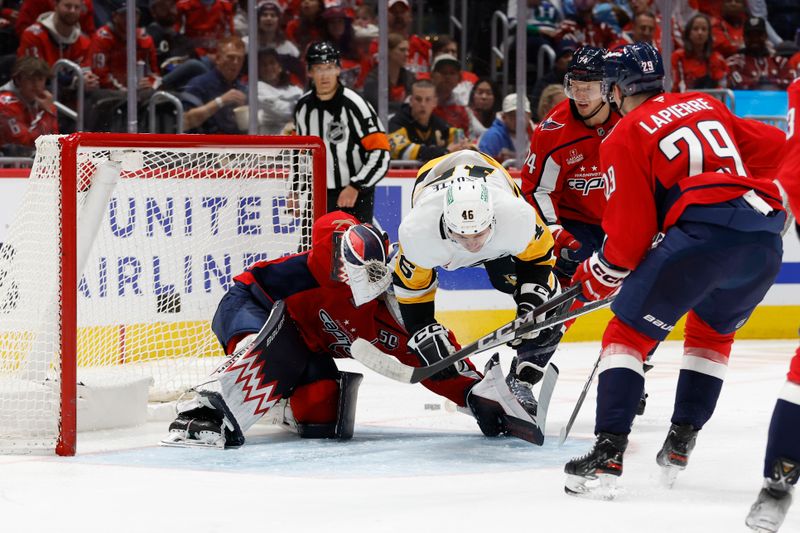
(161, 231)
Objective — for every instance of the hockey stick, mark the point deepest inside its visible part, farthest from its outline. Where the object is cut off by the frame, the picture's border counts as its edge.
(565, 430)
(373, 358)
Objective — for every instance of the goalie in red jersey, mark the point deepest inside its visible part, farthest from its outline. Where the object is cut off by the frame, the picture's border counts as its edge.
(285, 321)
(689, 188)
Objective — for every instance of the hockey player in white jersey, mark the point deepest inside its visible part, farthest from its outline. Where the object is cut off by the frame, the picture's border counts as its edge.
(467, 211)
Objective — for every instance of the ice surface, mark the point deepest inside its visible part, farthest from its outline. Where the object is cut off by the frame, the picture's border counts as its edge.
(414, 465)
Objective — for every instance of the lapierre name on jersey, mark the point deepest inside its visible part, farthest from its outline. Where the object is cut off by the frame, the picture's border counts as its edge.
(669, 114)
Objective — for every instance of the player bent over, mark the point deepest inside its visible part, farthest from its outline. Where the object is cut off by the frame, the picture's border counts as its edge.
(284, 321)
(782, 459)
(467, 211)
(701, 176)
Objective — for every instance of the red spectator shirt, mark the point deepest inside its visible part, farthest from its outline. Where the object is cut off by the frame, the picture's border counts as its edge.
(20, 123)
(37, 41)
(206, 24)
(109, 60)
(419, 54)
(597, 34)
(789, 170)
(687, 71)
(675, 150)
(750, 72)
(454, 114)
(728, 39)
(30, 10)
(303, 34)
(561, 176)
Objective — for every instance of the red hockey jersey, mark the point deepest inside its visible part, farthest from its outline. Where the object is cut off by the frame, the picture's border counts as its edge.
(205, 24)
(21, 124)
(789, 171)
(39, 41)
(561, 176)
(29, 12)
(673, 151)
(109, 60)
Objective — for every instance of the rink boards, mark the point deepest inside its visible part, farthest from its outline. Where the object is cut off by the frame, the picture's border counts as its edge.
(467, 303)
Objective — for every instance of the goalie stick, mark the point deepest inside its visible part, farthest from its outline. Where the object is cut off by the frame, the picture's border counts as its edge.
(382, 363)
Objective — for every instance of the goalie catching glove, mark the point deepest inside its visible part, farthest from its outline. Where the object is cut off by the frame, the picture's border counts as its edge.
(431, 344)
(599, 278)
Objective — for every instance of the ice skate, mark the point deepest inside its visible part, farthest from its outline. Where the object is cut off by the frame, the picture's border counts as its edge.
(773, 501)
(595, 474)
(203, 423)
(521, 385)
(674, 454)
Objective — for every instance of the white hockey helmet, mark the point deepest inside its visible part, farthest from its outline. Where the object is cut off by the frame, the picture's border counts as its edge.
(468, 207)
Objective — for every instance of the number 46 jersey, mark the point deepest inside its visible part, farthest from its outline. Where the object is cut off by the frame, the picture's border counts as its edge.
(676, 150)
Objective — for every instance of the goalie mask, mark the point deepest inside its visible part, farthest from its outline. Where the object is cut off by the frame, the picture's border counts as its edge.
(363, 259)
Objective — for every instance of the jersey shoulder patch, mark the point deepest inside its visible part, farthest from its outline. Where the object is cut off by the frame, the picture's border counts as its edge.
(549, 124)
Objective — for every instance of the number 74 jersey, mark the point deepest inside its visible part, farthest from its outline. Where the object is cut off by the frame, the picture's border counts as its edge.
(677, 150)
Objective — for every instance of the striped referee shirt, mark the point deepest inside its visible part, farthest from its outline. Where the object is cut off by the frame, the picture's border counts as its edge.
(356, 143)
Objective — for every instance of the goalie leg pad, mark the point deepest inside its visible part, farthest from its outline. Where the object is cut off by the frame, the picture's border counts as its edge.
(252, 381)
(345, 415)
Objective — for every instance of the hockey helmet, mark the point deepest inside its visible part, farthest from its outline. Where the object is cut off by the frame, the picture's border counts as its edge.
(468, 212)
(586, 66)
(634, 68)
(322, 52)
(364, 255)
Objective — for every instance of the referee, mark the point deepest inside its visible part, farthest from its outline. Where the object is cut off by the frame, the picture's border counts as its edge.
(355, 141)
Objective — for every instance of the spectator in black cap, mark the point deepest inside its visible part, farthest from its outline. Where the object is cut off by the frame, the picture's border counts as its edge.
(446, 75)
(757, 66)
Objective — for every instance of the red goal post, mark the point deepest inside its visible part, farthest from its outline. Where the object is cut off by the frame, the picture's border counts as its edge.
(111, 271)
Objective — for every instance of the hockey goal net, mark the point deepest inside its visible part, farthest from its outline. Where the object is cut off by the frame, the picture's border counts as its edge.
(112, 269)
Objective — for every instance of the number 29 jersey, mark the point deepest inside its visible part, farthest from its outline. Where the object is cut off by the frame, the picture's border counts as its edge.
(677, 150)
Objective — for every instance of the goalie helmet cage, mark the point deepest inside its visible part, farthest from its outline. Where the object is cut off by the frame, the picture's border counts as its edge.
(117, 259)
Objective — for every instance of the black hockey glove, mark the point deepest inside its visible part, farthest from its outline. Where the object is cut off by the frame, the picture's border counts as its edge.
(432, 344)
(529, 296)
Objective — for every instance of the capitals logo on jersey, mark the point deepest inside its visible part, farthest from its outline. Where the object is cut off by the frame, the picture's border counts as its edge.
(549, 124)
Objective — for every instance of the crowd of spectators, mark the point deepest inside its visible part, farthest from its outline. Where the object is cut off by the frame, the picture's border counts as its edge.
(197, 50)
